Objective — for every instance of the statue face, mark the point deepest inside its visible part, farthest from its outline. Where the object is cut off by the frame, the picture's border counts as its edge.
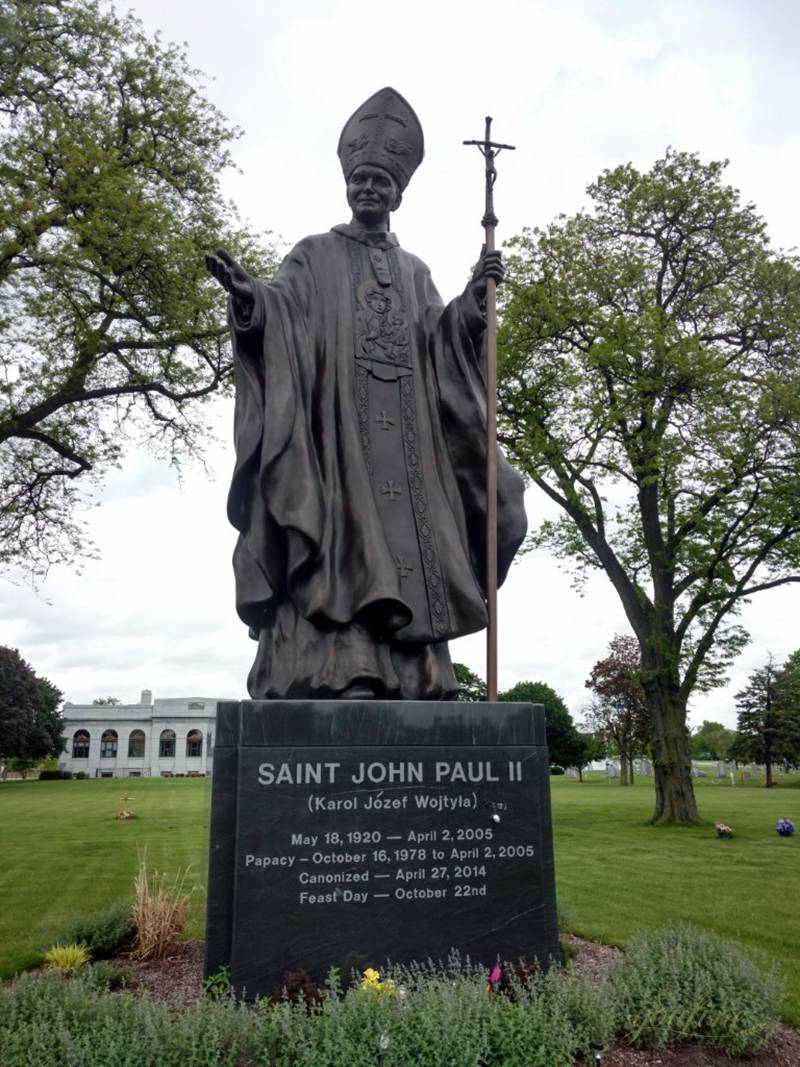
(372, 193)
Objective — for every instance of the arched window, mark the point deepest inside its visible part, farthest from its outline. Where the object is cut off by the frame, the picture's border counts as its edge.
(166, 745)
(194, 743)
(108, 744)
(80, 744)
(136, 744)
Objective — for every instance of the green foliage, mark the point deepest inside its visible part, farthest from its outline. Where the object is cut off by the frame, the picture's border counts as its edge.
(547, 1023)
(218, 985)
(110, 328)
(683, 984)
(649, 386)
(712, 740)
(102, 933)
(565, 745)
(439, 1018)
(66, 958)
(673, 985)
(472, 686)
(51, 1023)
(57, 775)
(30, 725)
(768, 720)
(107, 976)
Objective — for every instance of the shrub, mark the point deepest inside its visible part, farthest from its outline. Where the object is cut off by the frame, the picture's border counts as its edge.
(103, 933)
(438, 1016)
(50, 775)
(159, 913)
(548, 1022)
(81, 775)
(66, 958)
(52, 1023)
(683, 984)
(106, 976)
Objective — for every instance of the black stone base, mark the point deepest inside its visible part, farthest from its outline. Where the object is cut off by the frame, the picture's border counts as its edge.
(348, 833)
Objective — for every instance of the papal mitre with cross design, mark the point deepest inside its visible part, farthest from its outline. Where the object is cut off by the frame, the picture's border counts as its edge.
(383, 132)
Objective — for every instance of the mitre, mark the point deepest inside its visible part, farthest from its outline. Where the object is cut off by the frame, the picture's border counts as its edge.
(383, 132)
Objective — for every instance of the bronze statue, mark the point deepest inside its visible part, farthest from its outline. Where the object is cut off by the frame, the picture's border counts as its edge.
(358, 491)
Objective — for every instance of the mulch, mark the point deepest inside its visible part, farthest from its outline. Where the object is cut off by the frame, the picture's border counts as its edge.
(177, 982)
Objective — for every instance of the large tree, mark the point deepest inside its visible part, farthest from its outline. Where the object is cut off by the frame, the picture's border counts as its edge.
(619, 711)
(650, 387)
(768, 721)
(712, 740)
(472, 685)
(566, 747)
(30, 724)
(110, 326)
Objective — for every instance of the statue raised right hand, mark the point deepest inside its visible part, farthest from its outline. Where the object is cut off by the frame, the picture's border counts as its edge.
(235, 279)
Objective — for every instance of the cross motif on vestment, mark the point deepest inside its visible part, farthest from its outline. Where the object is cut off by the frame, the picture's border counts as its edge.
(403, 568)
(385, 420)
(392, 490)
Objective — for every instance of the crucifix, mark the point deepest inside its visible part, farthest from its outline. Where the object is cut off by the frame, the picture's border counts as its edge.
(489, 150)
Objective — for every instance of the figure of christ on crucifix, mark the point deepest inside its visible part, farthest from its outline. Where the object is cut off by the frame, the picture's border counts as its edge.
(359, 485)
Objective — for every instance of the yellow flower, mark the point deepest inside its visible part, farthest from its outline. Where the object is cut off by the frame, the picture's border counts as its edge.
(371, 982)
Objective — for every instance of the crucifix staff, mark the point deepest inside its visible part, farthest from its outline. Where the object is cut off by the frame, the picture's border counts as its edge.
(489, 150)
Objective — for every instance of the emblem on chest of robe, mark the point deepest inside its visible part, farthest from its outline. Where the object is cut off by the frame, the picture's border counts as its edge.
(381, 327)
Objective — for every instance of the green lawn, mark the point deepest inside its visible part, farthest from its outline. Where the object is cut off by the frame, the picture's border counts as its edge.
(63, 854)
(618, 876)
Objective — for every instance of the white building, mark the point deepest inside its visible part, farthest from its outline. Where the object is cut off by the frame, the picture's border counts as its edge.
(173, 736)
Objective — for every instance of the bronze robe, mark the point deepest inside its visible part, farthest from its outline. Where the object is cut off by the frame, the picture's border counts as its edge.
(358, 491)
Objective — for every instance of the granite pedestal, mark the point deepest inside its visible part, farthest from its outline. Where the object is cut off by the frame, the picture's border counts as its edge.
(348, 833)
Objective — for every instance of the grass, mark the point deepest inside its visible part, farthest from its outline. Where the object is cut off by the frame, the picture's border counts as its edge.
(65, 855)
(744, 888)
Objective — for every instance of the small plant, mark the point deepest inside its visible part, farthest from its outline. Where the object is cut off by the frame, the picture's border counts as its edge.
(66, 958)
(723, 830)
(106, 976)
(218, 985)
(159, 913)
(371, 983)
(102, 934)
(785, 827)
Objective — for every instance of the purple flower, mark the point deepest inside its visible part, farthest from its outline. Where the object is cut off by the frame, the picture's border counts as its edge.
(785, 827)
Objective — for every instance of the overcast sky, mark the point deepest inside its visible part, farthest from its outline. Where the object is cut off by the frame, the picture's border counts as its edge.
(578, 87)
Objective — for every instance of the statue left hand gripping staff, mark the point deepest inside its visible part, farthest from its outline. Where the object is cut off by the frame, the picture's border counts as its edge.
(358, 491)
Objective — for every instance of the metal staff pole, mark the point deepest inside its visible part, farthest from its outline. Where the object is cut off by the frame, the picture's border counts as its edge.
(489, 150)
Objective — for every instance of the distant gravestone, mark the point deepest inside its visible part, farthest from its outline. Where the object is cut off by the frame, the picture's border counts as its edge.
(722, 769)
(611, 770)
(571, 772)
(348, 833)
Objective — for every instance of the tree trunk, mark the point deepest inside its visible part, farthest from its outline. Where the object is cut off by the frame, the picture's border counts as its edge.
(672, 764)
(630, 770)
(768, 780)
(623, 768)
